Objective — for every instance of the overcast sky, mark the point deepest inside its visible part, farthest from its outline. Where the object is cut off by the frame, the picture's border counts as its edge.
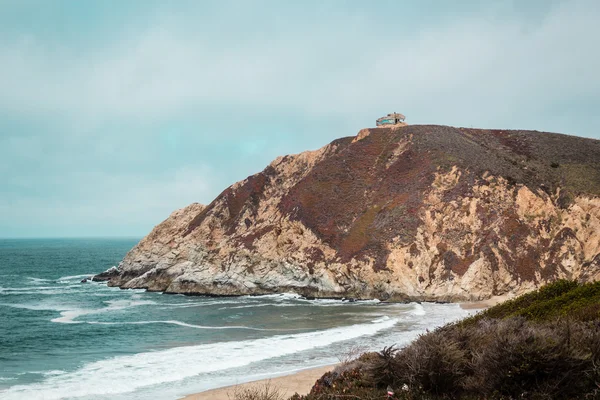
(115, 113)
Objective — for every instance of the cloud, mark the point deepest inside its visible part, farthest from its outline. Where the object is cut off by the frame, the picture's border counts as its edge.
(343, 66)
(109, 132)
(111, 205)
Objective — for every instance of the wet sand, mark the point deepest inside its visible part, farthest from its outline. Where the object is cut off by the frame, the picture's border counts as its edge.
(302, 381)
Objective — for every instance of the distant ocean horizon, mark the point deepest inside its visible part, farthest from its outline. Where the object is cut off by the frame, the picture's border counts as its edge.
(64, 339)
(135, 238)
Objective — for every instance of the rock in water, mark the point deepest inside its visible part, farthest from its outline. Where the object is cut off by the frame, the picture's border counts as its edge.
(106, 275)
(429, 213)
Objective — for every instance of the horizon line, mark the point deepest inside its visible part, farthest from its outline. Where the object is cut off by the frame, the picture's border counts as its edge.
(67, 237)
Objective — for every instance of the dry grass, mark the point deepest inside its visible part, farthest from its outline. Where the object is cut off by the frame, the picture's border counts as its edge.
(351, 354)
(264, 391)
(543, 345)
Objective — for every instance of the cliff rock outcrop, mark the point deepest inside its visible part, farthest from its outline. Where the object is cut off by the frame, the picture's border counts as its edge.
(401, 213)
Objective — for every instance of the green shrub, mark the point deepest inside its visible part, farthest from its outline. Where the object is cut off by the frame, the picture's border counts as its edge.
(542, 345)
(518, 305)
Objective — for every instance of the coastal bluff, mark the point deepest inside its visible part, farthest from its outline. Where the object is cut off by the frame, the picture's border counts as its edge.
(406, 213)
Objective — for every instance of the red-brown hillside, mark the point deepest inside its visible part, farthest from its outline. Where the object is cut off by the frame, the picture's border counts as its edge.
(427, 202)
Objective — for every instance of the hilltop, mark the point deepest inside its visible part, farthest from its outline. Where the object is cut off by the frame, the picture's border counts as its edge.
(419, 212)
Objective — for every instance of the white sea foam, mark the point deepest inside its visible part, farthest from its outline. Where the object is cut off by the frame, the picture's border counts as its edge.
(276, 296)
(295, 296)
(201, 303)
(71, 278)
(54, 372)
(418, 310)
(127, 303)
(339, 302)
(27, 289)
(184, 324)
(37, 281)
(41, 290)
(51, 292)
(129, 373)
(248, 306)
(68, 312)
(69, 315)
(38, 306)
(293, 299)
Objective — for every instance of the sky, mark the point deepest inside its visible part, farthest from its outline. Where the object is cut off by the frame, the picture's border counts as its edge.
(115, 113)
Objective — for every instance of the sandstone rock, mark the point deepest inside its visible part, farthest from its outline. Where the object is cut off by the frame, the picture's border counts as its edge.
(426, 213)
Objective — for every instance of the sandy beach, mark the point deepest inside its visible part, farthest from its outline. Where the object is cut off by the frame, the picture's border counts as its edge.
(482, 304)
(300, 382)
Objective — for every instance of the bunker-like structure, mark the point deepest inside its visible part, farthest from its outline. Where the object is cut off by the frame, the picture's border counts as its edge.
(390, 119)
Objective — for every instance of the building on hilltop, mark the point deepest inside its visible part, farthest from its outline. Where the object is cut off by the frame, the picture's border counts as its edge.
(391, 119)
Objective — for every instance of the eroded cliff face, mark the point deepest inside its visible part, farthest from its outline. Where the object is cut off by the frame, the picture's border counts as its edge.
(403, 213)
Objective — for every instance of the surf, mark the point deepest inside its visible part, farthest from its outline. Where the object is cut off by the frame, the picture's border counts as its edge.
(132, 372)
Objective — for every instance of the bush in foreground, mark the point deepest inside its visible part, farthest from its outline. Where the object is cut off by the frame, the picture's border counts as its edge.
(543, 345)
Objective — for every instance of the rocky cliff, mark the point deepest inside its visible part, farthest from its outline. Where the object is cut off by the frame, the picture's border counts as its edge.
(402, 213)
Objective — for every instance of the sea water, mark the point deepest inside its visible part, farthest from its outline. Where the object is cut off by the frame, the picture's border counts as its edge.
(61, 338)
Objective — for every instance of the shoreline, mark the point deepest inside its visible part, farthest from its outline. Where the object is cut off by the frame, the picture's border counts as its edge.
(98, 278)
(483, 304)
(300, 382)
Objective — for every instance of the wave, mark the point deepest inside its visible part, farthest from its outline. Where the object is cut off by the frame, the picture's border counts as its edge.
(276, 296)
(36, 307)
(321, 303)
(274, 300)
(61, 285)
(294, 296)
(46, 293)
(53, 372)
(184, 324)
(25, 289)
(248, 306)
(71, 277)
(74, 279)
(37, 281)
(68, 316)
(129, 373)
(126, 303)
(68, 313)
(293, 300)
(418, 310)
(199, 303)
(40, 290)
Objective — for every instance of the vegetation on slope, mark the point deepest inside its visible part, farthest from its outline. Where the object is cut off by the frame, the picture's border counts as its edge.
(367, 192)
(542, 345)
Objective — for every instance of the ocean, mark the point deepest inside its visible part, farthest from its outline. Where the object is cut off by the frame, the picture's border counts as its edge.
(64, 339)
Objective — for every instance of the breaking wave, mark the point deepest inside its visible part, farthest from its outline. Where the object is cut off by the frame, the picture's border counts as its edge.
(418, 310)
(129, 373)
(69, 313)
(68, 316)
(184, 324)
